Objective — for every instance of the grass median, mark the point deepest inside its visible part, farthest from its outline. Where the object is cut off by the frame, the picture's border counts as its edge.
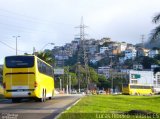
(114, 106)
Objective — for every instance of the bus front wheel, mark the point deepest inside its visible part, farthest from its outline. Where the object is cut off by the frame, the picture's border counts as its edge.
(52, 95)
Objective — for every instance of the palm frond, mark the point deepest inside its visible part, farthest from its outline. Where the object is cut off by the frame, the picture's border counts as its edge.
(156, 19)
(155, 34)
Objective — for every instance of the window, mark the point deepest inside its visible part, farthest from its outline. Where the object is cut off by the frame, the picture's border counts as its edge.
(44, 68)
(134, 81)
(140, 87)
(19, 61)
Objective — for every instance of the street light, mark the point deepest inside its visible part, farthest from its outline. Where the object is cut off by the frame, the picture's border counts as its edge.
(46, 45)
(16, 42)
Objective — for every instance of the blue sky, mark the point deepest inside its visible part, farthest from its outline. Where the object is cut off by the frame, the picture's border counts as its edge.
(39, 22)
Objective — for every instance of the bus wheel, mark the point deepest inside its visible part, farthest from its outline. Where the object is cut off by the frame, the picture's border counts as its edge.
(52, 95)
(14, 100)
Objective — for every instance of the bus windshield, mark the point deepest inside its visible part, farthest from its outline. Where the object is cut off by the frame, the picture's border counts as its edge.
(19, 61)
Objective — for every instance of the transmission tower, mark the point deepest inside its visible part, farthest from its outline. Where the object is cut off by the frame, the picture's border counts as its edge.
(82, 49)
(142, 38)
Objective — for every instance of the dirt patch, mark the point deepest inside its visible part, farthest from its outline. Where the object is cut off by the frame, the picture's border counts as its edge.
(142, 113)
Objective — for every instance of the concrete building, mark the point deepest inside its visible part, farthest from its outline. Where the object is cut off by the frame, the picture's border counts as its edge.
(95, 58)
(142, 51)
(92, 49)
(137, 66)
(122, 46)
(130, 54)
(153, 53)
(103, 49)
(145, 78)
(104, 70)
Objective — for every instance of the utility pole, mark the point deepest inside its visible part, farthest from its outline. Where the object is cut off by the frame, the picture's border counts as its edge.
(111, 67)
(82, 47)
(78, 73)
(16, 42)
(142, 38)
(67, 80)
(60, 84)
(70, 90)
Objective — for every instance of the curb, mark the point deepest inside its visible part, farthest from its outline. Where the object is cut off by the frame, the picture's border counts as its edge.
(56, 117)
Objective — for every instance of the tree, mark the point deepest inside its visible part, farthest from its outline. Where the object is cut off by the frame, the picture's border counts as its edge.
(147, 62)
(103, 83)
(117, 82)
(155, 34)
(93, 75)
(46, 56)
(128, 64)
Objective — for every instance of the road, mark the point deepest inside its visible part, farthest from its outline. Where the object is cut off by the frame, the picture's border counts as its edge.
(29, 109)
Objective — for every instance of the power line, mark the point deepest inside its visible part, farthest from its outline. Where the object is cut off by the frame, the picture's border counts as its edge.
(11, 47)
(33, 19)
(21, 27)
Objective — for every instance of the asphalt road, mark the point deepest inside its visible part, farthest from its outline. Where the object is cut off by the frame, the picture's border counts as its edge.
(29, 109)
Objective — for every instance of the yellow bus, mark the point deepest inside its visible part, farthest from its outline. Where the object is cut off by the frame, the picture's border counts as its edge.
(137, 89)
(27, 77)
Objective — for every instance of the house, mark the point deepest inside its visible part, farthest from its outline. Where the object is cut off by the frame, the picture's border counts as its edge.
(130, 54)
(137, 66)
(92, 49)
(153, 53)
(142, 51)
(122, 46)
(103, 49)
(95, 58)
(104, 70)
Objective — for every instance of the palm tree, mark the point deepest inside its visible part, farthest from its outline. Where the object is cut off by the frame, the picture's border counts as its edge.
(46, 56)
(155, 34)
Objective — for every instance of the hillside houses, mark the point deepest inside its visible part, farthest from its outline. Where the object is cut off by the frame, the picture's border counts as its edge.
(97, 50)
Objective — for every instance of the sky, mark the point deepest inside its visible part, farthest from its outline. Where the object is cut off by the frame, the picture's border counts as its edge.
(39, 22)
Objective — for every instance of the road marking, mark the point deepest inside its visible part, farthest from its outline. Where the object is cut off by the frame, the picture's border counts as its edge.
(56, 117)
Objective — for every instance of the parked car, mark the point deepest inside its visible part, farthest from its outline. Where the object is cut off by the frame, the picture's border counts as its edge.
(101, 92)
(73, 92)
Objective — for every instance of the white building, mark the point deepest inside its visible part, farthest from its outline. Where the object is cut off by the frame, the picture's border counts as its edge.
(103, 49)
(130, 54)
(141, 77)
(105, 71)
(153, 53)
(122, 46)
(137, 67)
(145, 78)
(157, 82)
(94, 59)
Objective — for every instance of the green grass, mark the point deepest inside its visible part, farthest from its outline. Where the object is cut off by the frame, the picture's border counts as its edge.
(102, 106)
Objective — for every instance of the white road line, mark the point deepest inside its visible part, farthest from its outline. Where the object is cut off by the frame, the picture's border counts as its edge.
(67, 109)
